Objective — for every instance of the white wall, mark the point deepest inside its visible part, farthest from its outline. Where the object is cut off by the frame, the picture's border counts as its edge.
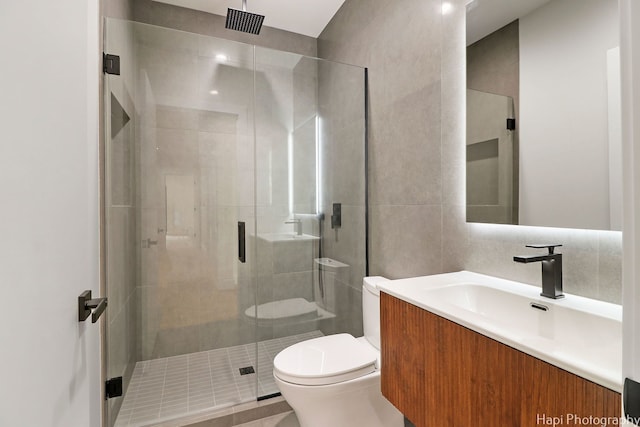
(564, 172)
(48, 212)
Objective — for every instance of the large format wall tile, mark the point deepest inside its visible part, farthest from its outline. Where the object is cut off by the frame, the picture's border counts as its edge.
(405, 153)
(406, 240)
(399, 42)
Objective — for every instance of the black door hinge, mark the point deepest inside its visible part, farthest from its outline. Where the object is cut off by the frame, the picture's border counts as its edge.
(113, 388)
(511, 124)
(631, 400)
(111, 64)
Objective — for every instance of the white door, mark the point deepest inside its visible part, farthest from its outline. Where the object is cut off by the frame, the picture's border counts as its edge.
(630, 76)
(49, 213)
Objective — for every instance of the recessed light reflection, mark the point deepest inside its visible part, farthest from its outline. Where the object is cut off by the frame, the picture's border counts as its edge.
(213, 92)
(221, 57)
(446, 8)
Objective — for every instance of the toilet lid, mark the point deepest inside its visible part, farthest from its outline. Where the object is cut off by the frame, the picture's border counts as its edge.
(325, 360)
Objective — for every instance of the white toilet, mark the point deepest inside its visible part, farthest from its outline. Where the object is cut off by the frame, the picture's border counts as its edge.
(335, 380)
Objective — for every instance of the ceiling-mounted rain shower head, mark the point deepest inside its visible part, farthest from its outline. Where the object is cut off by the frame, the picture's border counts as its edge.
(241, 20)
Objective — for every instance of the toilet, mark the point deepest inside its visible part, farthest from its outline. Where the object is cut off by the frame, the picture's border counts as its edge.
(335, 380)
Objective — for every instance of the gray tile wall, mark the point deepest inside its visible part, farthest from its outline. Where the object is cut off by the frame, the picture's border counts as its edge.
(417, 69)
(400, 44)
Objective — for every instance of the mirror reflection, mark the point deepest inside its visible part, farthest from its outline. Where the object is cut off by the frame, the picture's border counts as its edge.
(553, 66)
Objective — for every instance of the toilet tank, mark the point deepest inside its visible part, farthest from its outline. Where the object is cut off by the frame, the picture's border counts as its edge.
(371, 309)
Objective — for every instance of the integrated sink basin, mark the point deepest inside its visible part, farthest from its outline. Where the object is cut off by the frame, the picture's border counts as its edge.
(580, 335)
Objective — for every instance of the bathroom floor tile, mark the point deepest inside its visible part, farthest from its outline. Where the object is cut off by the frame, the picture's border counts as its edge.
(179, 386)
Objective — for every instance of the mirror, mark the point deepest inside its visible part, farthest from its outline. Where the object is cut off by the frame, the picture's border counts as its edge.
(554, 67)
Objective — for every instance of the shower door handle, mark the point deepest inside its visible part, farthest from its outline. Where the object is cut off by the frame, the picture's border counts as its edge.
(242, 250)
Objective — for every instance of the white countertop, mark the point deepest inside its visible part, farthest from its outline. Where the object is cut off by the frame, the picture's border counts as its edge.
(577, 334)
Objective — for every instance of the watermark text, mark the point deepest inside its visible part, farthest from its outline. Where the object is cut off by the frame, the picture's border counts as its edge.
(579, 420)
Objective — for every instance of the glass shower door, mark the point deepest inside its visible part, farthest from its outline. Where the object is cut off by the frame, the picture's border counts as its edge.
(179, 180)
(310, 200)
(207, 140)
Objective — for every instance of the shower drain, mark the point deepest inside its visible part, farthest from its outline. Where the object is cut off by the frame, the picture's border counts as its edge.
(247, 370)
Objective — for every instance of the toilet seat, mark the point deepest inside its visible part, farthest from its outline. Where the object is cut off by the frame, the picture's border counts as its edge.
(325, 360)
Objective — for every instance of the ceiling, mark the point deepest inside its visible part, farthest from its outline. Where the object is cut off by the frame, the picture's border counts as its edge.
(308, 17)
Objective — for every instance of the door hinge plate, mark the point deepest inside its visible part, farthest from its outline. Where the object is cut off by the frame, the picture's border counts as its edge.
(113, 387)
(111, 64)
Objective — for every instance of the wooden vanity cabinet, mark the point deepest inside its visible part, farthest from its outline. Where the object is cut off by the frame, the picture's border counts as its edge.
(439, 373)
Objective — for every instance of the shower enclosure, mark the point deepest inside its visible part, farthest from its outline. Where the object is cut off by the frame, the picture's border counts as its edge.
(235, 215)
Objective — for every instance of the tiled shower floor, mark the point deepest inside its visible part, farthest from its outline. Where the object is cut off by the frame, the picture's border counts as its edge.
(173, 387)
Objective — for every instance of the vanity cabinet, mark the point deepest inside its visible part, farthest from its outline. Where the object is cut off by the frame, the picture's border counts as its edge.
(439, 373)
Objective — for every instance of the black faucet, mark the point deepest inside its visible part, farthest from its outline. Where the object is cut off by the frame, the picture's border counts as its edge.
(551, 270)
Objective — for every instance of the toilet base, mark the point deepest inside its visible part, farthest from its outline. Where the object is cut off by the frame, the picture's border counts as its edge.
(357, 402)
